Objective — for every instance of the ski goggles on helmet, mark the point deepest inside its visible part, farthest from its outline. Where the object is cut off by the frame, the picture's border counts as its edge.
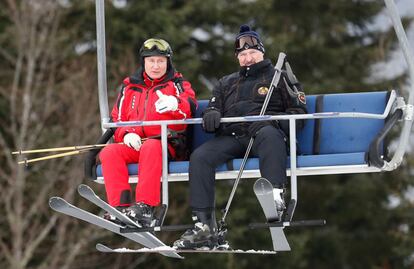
(248, 42)
(154, 47)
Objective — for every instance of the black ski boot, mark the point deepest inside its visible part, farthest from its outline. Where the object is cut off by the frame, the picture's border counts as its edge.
(222, 243)
(141, 213)
(203, 235)
(112, 218)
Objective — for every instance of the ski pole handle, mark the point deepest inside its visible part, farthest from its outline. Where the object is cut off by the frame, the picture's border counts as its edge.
(275, 81)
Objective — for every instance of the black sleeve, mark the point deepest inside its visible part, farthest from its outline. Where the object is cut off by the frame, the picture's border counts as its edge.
(216, 101)
(295, 99)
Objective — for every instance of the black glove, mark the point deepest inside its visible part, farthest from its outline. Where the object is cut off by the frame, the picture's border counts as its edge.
(211, 120)
(255, 127)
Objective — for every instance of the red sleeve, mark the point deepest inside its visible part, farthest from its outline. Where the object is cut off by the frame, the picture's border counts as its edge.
(118, 114)
(187, 102)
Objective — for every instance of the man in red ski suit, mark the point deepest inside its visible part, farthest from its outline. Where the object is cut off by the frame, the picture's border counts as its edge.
(155, 92)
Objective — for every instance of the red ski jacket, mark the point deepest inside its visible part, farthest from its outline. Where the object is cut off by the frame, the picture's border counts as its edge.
(136, 102)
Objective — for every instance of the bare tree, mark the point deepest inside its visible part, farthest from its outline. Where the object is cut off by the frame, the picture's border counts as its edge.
(50, 100)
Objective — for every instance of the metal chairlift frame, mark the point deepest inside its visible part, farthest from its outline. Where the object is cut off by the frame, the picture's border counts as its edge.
(393, 104)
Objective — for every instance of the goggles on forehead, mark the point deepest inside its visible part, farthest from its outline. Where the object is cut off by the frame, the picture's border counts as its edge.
(246, 42)
(156, 46)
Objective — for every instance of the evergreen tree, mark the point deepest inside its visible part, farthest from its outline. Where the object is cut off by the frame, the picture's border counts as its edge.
(331, 47)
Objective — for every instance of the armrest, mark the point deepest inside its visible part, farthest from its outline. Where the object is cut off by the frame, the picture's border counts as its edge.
(373, 155)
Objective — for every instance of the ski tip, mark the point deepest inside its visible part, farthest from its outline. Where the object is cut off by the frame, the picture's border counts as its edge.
(82, 188)
(56, 202)
(262, 185)
(102, 248)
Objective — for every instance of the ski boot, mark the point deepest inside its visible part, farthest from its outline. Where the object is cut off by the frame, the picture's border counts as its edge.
(112, 218)
(222, 243)
(203, 235)
(141, 213)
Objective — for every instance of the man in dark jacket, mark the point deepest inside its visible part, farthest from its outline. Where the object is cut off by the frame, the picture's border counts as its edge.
(241, 94)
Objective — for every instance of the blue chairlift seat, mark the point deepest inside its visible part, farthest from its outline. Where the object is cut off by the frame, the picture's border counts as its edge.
(325, 146)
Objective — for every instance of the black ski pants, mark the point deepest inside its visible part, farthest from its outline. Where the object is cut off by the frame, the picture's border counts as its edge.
(269, 146)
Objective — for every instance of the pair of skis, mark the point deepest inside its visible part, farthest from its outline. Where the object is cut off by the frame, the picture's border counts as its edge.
(262, 188)
(150, 242)
(144, 238)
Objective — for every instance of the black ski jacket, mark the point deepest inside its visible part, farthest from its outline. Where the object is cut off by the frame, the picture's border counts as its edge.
(243, 93)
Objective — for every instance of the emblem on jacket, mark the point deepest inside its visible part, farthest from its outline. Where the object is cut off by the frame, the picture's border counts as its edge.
(302, 98)
(263, 90)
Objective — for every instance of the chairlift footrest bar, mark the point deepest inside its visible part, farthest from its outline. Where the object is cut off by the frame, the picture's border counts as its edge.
(169, 228)
(296, 223)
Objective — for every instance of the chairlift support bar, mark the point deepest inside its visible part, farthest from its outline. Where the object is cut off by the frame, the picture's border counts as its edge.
(101, 58)
(408, 113)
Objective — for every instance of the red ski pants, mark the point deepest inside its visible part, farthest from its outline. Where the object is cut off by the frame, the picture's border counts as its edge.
(116, 157)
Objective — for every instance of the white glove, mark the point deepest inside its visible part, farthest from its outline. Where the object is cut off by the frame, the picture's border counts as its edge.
(132, 140)
(165, 103)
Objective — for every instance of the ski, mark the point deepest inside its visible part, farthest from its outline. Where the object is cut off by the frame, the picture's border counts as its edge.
(264, 193)
(146, 239)
(86, 192)
(106, 249)
(131, 227)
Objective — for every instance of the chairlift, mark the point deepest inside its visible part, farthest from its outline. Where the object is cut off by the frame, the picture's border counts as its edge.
(343, 134)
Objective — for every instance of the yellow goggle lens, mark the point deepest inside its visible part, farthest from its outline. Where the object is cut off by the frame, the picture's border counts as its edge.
(160, 44)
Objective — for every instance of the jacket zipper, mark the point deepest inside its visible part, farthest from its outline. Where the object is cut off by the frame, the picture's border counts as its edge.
(145, 110)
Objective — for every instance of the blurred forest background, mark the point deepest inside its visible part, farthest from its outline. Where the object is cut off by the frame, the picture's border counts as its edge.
(48, 98)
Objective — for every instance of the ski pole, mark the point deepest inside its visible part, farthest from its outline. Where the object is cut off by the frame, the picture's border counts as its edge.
(73, 148)
(88, 147)
(79, 150)
(53, 156)
(273, 84)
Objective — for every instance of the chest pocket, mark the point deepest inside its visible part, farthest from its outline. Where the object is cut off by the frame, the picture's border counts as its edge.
(131, 103)
(260, 91)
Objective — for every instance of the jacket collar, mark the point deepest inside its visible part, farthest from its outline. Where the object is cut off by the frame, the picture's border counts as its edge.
(151, 82)
(140, 77)
(255, 69)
